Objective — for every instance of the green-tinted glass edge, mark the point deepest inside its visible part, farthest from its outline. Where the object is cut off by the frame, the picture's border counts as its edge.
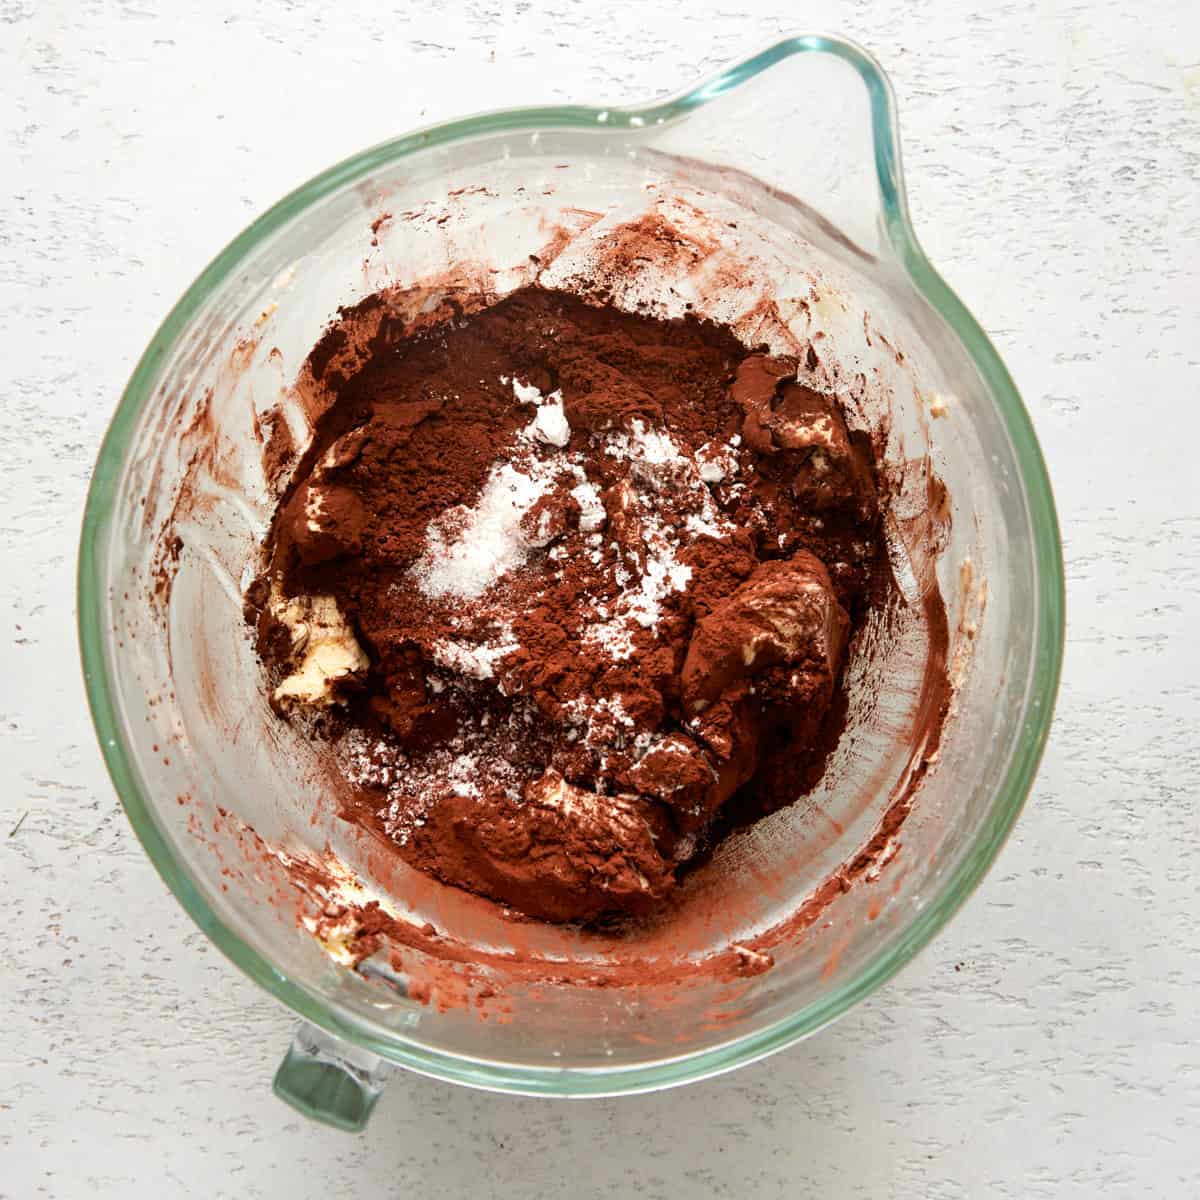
(1049, 636)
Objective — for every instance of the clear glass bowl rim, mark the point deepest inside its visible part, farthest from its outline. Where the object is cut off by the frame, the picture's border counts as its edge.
(1050, 596)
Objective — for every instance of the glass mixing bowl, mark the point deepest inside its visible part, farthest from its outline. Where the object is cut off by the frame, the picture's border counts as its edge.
(795, 149)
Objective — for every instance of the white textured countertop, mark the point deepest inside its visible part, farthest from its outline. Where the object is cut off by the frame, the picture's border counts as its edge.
(1048, 1044)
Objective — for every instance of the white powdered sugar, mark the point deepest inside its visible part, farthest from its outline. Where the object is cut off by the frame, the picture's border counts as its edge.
(662, 576)
(591, 508)
(525, 393)
(586, 712)
(602, 723)
(646, 448)
(657, 462)
(475, 659)
(468, 549)
(659, 469)
(462, 774)
(640, 604)
(716, 462)
(549, 423)
(705, 525)
(614, 637)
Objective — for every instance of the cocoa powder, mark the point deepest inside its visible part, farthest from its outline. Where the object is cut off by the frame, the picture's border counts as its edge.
(605, 569)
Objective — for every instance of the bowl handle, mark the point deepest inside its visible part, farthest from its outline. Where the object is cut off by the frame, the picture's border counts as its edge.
(330, 1080)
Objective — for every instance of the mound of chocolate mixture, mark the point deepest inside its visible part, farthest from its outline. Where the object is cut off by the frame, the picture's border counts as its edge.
(568, 592)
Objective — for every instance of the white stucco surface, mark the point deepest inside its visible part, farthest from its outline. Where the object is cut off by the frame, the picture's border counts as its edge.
(1048, 1044)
